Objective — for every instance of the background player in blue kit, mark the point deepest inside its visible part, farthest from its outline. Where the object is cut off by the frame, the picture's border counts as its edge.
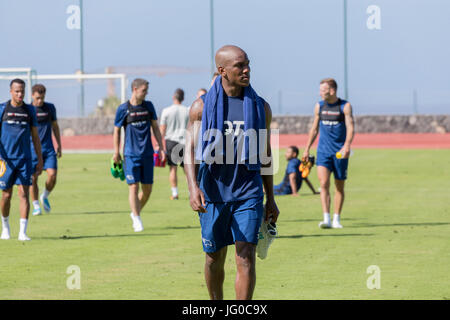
(228, 195)
(334, 119)
(17, 123)
(292, 180)
(46, 124)
(138, 117)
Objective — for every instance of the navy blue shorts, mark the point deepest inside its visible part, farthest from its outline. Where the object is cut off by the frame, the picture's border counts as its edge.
(138, 169)
(282, 189)
(17, 171)
(337, 166)
(50, 162)
(227, 222)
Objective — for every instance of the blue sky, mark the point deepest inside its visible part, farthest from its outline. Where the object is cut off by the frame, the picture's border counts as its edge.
(292, 45)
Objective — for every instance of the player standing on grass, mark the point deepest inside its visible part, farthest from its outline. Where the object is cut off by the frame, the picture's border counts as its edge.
(17, 124)
(333, 117)
(46, 124)
(228, 195)
(173, 124)
(138, 117)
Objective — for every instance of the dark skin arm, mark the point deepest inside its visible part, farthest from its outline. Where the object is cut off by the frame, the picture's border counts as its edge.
(270, 207)
(37, 147)
(197, 198)
(56, 133)
(293, 183)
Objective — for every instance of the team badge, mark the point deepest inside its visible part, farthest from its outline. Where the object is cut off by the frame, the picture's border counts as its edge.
(2, 168)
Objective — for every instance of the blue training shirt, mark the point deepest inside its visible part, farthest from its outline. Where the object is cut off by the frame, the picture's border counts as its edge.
(293, 166)
(45, 115)
(136, 121)
(332, 128)
(15, 130)
(230, 182)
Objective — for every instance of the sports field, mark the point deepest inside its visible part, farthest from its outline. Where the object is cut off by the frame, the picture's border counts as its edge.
(396, 216)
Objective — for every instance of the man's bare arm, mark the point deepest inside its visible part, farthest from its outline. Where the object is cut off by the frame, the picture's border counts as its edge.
(57, 134)
(271, 207)
(116, 141)
(162, 129)
(350, 126)
(197, 198)
(313, 132)
(37, 147)
(293, 183)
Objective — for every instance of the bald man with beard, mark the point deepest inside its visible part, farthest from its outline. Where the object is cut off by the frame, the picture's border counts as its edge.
(228, 196)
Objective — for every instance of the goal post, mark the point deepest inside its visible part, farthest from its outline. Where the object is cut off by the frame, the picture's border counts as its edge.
(65, 81)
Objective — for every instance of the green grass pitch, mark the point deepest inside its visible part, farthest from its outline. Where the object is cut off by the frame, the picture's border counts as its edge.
(396, 216)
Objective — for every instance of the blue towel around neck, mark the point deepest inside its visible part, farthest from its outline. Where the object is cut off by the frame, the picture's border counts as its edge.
(213, 118)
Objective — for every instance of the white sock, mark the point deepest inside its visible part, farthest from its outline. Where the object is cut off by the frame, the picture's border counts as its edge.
(337, 218)
(46, 193)
(36, 204)
(174, 191)
(135, 216)
(326, 217)
(23, 226)
(5, 222)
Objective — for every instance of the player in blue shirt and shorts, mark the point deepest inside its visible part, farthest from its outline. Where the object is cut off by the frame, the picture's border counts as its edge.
(228, 195)
(137, 116)
(292, 181)
(333, 117)
(17, 124)
(46, 124)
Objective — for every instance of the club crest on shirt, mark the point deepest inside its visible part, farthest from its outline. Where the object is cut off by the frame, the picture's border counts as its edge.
(2, 168)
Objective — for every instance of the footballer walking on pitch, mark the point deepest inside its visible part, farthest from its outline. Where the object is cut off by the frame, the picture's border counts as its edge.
(46, 124)
(138, 117)
(173, 124)
(228, 195)
(334, 119)
(17, 124)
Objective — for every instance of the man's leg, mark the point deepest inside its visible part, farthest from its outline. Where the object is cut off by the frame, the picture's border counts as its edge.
(215, 273)
(279, 190)
(34, 188)
(5, 205)
(34, 191)
(144, 195)
(133, 198)
(51, 179)
(49, 186)
(246, 270)
(135, 204)
(24, 200)
(323, 173)
(338, 202)
(24, 208)
(146, 179)
(173, 182)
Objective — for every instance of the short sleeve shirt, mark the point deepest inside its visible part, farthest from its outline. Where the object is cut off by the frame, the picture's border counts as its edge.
(136, 121)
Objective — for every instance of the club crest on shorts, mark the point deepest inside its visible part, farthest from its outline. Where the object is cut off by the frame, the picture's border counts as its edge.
(2, 168)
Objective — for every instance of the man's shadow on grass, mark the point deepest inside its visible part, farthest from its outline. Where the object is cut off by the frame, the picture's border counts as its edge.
(298, 236)
(312, 220)
(181, 228)
(97, 212)
(90, 212)
(68, 237)
(421, 224)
